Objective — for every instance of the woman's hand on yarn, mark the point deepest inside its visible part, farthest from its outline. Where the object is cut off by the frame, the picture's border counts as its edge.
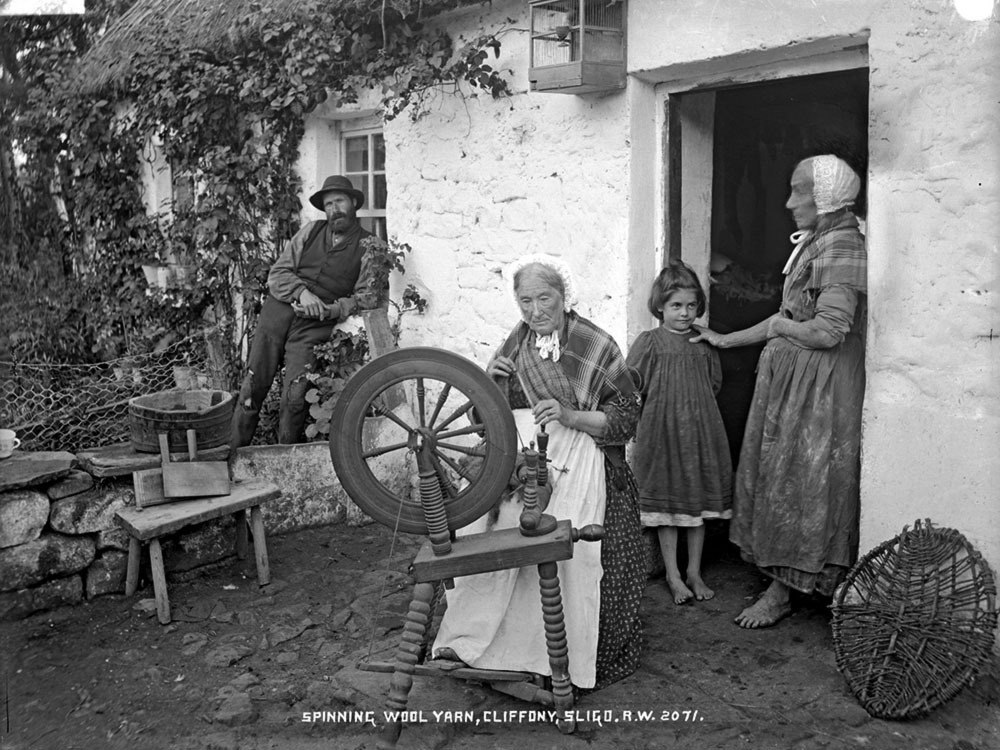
(551, 410)
(500, 367)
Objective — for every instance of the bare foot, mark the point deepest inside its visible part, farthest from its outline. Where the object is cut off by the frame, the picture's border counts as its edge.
(701, 591)
(770, 608)
(682, 594)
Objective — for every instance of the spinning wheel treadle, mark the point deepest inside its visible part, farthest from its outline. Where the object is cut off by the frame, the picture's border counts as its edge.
(453, 403)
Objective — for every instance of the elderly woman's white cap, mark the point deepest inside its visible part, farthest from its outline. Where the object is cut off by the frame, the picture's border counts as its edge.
(835, 184)
(558, 265)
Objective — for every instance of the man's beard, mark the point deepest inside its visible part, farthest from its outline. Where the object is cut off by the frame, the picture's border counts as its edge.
(342, 222)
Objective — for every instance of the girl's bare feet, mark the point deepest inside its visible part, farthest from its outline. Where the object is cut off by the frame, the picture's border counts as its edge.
(695, 543)
(697, 585)
(681, 593)
(773, 606)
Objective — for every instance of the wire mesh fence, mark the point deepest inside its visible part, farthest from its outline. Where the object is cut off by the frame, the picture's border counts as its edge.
(56, 407)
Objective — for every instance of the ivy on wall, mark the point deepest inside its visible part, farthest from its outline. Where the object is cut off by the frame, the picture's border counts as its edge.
(229, 116)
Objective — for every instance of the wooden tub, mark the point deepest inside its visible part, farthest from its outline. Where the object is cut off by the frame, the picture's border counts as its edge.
(208, 413)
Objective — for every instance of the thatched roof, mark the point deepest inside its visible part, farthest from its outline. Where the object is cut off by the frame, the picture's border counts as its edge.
(218, 25)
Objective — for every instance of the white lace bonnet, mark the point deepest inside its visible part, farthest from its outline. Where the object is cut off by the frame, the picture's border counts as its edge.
(835, 184)
(550, 261)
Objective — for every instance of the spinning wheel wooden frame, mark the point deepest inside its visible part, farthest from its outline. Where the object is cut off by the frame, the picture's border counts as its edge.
(458, 484)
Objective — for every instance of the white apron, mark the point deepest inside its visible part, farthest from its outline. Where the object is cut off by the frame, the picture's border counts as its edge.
(494, 620)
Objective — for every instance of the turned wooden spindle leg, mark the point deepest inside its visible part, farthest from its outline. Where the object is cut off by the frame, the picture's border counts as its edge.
(529, 493)
(543, 457)
(555, 639)
(533, 522)
(406, 658)
(432, 502)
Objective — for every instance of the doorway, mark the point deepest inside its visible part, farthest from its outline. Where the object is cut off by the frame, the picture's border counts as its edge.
(752, 136)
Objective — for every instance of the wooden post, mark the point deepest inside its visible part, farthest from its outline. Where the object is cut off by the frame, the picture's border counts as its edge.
(380, 338)
(132, 572)
(241, 534)
(218, 361)
(381, 341)
(259, 546)
(159, 581)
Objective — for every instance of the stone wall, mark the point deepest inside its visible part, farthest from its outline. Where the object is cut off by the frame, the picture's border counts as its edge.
(58, 539)
(60, 543)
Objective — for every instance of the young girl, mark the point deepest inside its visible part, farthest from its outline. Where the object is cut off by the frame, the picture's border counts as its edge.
(681, 459)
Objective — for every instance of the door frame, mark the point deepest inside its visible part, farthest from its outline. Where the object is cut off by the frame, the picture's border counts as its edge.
(673, 118)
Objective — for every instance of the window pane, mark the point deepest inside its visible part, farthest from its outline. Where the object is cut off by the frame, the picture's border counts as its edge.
(375, 225)
(356, 154)
(378, 199)
(358, 181)
(182, 186)
(378, 146)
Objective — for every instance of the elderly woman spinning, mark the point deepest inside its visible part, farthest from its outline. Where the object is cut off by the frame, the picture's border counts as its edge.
(795, 507)
(566, 374)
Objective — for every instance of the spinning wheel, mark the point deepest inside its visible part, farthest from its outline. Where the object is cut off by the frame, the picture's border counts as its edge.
(443, 410)
(454, 400)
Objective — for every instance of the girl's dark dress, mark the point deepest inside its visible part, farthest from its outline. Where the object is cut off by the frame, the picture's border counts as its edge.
(681, 459)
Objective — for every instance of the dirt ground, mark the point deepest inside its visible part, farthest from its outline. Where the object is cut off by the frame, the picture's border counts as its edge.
(241, 667)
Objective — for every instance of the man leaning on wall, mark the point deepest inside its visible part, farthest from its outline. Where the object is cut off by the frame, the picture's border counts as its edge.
(327, 271)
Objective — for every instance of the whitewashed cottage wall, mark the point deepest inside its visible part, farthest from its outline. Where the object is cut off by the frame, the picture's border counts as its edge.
(931, 435)
(474, 183)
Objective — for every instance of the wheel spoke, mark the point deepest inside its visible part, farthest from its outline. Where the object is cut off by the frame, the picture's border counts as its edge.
(455, 415)
(391, 415)
(385, 449)
(421, 393)
(456, 467)
(470, 430)
(440, 404)
(446, 484)
(477, 451)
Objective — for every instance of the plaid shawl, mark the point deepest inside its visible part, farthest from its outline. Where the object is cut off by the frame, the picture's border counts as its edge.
(590, 371)
(835, 256)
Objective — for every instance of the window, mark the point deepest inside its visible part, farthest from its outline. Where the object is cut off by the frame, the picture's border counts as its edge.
(182, 189)
(363, 157)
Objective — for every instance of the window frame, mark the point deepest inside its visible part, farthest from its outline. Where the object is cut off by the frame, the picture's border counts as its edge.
(373, 219)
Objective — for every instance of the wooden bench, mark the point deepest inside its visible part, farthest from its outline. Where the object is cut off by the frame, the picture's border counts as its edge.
(150, 523)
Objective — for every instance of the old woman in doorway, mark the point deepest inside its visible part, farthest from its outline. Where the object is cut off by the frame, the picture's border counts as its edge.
(564, 373)
(795, 506)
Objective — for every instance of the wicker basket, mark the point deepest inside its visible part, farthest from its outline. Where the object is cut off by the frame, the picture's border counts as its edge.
(914, 622)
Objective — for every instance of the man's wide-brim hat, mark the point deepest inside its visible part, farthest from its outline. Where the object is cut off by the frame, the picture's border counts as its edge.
(339, 184)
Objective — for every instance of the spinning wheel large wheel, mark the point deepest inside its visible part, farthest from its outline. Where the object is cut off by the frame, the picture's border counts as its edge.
(458, 419)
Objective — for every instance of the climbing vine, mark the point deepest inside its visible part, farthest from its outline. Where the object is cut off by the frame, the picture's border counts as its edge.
(228, 118)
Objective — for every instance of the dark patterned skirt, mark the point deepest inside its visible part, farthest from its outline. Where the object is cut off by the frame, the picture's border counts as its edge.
(624, 562)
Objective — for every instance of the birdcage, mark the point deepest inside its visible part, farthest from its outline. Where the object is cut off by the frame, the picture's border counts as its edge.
(577, 46)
